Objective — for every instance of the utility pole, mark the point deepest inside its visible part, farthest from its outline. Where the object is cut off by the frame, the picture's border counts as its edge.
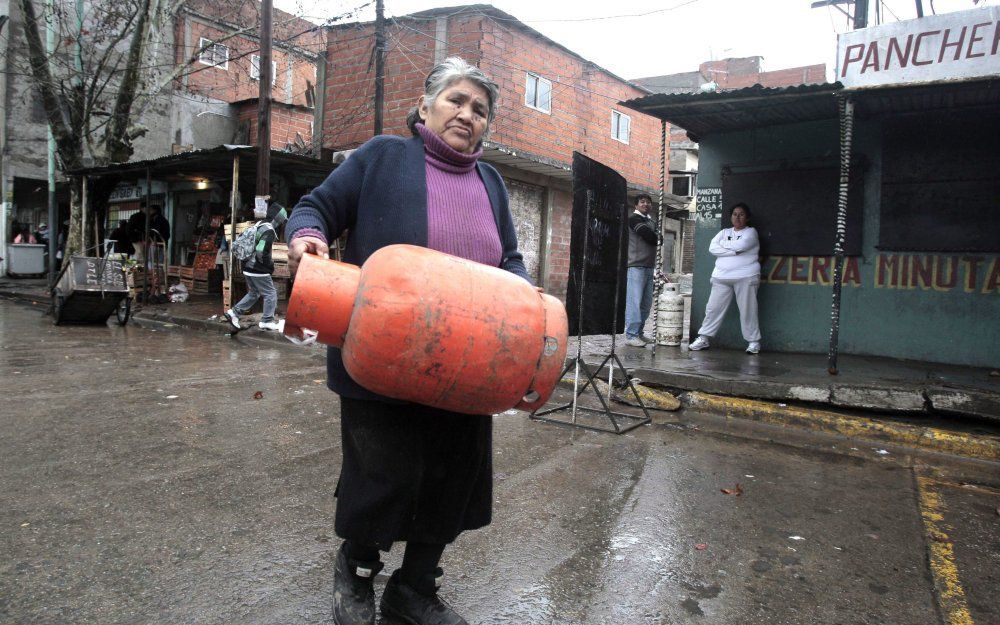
(860, 13)
(379, 64)
(54, 226)
(920, 8)
(264, 104)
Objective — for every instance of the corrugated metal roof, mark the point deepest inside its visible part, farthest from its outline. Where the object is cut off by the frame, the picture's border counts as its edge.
(722, 111)
(944, 94)
(209, 162)
(703, 114)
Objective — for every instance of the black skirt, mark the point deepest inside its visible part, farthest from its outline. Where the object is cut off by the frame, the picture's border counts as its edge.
(412, 473)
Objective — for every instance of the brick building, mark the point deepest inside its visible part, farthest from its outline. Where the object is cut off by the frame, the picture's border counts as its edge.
(222, 38)
(552, 102)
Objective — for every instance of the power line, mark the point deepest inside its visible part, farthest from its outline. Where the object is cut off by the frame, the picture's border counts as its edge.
(562, 20)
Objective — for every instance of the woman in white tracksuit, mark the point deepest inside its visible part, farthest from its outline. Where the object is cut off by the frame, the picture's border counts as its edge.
(737, 272)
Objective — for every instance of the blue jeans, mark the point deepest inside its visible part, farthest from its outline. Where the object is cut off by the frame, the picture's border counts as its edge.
(638, 299)
(257, 287)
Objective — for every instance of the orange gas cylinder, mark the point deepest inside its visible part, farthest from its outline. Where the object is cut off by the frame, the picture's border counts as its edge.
(431, 328)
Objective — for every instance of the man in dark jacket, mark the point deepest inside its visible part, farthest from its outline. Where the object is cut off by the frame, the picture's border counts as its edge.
(257, 270)
(158, 224)
(642, 241)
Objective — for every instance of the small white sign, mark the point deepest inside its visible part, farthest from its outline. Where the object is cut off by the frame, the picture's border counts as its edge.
(260, 206)
(964, 44)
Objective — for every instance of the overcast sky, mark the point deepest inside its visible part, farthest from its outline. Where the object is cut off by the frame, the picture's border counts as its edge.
(637, 38)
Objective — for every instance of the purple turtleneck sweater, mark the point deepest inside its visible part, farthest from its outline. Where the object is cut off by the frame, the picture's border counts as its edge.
(459, 216)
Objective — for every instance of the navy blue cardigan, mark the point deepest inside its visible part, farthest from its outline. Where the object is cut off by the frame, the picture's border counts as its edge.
(380, 195)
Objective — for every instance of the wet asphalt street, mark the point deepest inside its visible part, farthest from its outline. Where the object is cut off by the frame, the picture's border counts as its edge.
(142, 482)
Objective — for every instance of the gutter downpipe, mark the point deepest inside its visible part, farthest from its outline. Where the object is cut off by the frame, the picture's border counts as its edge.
(846, 135)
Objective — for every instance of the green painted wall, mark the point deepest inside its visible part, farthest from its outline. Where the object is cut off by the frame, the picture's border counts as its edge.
(891, 312)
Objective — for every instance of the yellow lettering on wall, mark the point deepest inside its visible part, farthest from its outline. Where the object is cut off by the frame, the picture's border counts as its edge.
(992, 282)
(776, 271)
(887, 271)
(922, 272)
(819, 268)
(971, 272)
(852, 272)
(945, 273)
(799, 273)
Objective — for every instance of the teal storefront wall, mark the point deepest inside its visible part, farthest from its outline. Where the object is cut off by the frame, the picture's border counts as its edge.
(910, 305)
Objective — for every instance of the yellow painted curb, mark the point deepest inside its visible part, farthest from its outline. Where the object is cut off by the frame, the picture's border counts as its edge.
(941, 552)
(980, 446)
(652, 398)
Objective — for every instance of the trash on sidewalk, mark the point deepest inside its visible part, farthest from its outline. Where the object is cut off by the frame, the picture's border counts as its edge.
(258, 395)
(737, 490)
(178, 293)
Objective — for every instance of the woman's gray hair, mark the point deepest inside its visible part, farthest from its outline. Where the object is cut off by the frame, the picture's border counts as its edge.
(447, 73)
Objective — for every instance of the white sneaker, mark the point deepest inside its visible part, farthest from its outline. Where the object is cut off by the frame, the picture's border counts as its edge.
(754, 347)
(646, 339)
(698, 344)
(269, 325)
(233, 318)
(635, 341)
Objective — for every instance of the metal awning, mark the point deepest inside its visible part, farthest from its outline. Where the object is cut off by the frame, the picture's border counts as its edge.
(725, 111)
(499, 154)
(703, 114)
(211, 163)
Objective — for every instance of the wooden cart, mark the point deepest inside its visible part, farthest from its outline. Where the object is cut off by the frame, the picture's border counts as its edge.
(89, 290)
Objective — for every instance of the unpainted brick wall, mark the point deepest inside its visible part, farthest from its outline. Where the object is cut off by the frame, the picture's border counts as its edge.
(582, 101)
(285, 123)
(233, 83)
(527, 204)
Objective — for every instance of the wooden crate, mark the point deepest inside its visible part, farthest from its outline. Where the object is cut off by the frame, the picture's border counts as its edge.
(240, 227)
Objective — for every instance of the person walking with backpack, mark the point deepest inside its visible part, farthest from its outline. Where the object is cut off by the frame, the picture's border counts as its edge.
(257, 269)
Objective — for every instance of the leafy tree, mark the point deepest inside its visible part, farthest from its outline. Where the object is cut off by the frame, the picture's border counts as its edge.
(112, 60)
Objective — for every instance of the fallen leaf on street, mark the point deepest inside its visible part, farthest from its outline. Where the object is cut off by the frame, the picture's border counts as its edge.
(258, 395)
(733, 491)
(701, 546)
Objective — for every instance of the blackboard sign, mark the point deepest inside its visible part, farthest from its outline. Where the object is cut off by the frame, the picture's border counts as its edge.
(598, 249)
(795, 210)
(709, 203)
(96, 274)
(940, 188)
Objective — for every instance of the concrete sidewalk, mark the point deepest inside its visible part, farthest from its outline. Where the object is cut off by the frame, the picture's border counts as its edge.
(864, 383)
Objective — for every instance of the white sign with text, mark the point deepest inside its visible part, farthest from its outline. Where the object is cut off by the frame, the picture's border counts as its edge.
(964, 44)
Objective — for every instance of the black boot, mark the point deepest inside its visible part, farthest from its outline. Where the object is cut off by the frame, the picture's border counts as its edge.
(353, 595)
(417, 605)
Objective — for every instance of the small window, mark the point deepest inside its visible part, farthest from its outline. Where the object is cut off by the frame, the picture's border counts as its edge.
(538, 93)
(214, 54)
(255, 69)
(681, 185)
(620, 126)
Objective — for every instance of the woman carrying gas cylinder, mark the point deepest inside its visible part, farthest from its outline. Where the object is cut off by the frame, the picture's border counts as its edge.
(411, 473)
